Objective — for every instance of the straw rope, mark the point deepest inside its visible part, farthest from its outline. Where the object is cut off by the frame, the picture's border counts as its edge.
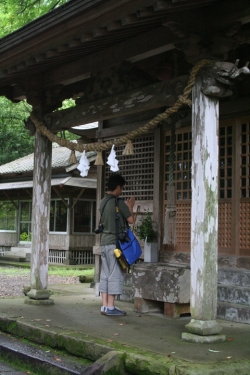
(182, 100)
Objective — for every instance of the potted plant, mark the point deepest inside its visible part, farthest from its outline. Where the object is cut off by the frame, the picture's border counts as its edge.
(145, 231)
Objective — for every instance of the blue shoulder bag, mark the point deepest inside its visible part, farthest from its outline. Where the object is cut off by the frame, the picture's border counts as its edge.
(128, 250)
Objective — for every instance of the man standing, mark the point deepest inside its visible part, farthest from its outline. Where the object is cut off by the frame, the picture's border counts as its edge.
(112, 275)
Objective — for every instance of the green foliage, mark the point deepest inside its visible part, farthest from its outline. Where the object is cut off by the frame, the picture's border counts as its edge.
(8, 215)
(25, 236)
(145, 229)
(67, 103)
(15, 14)
(58, 271)
(15, 141)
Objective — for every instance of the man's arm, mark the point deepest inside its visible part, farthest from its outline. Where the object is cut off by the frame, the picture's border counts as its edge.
(130, 203)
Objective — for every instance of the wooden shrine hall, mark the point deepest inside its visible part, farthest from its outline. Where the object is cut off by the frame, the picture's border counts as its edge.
(168, 79)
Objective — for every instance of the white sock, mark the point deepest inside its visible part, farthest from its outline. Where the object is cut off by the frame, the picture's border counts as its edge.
(111, 308)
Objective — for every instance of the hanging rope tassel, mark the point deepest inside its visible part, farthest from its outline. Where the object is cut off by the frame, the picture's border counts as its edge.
(129, 149)
(99, 159)
(72, 158)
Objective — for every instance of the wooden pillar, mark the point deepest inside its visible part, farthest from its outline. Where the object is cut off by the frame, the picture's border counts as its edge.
(40, 222)
(99, 196)
(204, 221)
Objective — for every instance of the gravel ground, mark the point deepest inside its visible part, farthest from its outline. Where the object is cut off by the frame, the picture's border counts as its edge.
(12, 286)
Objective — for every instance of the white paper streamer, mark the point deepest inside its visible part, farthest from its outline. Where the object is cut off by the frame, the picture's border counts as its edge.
(112, 161)
(83, 166)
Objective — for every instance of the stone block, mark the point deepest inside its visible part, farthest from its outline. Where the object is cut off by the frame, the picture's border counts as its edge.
(162, 282)
(110, 363)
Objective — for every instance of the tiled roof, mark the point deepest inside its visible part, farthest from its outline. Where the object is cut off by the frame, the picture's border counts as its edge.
(60, 158)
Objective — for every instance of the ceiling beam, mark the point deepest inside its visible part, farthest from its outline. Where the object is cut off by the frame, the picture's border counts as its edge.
(49, 31)
(155, 41)
(227, 12)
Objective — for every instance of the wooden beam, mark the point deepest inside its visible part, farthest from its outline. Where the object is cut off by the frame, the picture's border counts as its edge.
(228, 12)
(115, 131)
(29, 193)
(157, 40)
(153, 96)
(77, 198)
(64, 24)
(60, 196)
(10, 199)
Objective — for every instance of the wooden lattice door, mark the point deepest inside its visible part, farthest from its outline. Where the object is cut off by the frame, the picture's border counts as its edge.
(234, 186)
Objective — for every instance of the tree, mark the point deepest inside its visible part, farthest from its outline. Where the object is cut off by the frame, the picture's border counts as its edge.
(15, 14)
(15, 141)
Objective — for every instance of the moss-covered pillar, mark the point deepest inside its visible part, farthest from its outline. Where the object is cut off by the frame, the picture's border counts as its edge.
(204, 221)
(39, 293)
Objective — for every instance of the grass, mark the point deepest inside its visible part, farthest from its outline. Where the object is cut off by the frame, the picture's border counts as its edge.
(58, 271)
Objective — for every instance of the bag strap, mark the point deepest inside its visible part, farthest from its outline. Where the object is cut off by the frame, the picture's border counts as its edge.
(117, 219)
(111, 197)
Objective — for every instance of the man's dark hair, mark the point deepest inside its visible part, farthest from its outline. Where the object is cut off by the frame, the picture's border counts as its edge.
(115, 180)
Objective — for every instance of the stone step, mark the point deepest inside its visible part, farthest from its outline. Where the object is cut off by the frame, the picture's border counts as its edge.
(127, 295)
(24, 249)
(233, 312)
(12, 258)
(234, 294)
(39, 361)
(235, 276)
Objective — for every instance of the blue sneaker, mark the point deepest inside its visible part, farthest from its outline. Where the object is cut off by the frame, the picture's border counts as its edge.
(115, 312)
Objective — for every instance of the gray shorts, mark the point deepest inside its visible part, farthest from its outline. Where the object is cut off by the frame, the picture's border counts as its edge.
(112, 275)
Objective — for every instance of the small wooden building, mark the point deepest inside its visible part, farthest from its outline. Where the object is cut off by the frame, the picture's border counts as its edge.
(125, 63)
(72, 209)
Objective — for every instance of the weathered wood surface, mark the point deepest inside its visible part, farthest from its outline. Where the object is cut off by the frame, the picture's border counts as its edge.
(87, 17)
(131, 49)
(204, 216)
(148, 97)
(40, 214)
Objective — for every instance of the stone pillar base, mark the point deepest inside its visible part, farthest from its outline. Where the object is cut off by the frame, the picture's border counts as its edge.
(39, 297)
(203, 327)
(203, 339)
(29, 301)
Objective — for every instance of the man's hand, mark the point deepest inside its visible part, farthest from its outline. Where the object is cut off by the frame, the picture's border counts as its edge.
(130, 203)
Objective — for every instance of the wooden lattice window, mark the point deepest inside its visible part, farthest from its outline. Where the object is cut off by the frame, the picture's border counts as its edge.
(225, 225)
(183, 223)
(182, 182)
(182, 164)
(137, 169)
(225, 161)
(245, 160)
(244, 225)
